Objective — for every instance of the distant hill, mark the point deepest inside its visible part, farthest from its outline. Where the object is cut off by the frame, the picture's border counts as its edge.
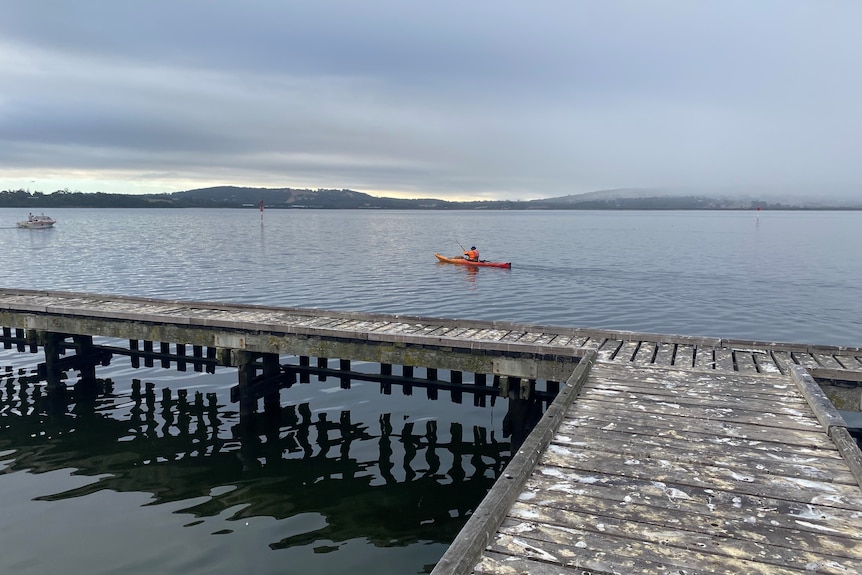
(289, 198)
(232, 196)
(699, 199)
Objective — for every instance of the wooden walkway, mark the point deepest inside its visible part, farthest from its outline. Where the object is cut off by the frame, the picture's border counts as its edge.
(661, 453)
(663, 470)
(254, 327)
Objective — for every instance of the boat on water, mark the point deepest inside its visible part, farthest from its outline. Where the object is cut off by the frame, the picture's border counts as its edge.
(39, 222)
(465, 262)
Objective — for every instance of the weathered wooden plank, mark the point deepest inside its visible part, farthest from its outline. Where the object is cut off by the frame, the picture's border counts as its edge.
(513, 336)
(744, 456)
(530, 337)
(609, 554)
(776, 420)
(726, 407)
(563, 340)
(804, 359)
(826, 360)
(645, 353)
(726, 548)
(470, 333)
(664, 354)
(724, 359)
(766, 364)
(849, 361)
(780, 392)
(732, 382)
(744, 361)
(820, 404)
(704, 357)
(608, 349)
(564, 488)
(849, 450)
(594, 342)
(377, 326)
(349, 325)
(439, 331)
(458, 332)
(428, 329)
(493, 563)
(705, 476)
(668, 549)
(626, 351)
(489, 334)
(684, 357)
(546, 339)
(784, 360)
(797, 446)
(682, 425)
(402, 328)
(837, 374)
(329, 322)
(601, 408)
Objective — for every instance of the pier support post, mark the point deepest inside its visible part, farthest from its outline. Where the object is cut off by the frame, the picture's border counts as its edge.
(344, 366)
(304, 361)
(479, 380)
(84, 345)
(165, 349)
(431, 376)
(246, 369)
(407, 373)
(271, 369)
(322, 363)
(148, 350)
(456, 378)
(52, 345)
(88, 358)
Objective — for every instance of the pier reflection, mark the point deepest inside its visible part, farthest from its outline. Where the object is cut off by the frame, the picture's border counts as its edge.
(383, 477)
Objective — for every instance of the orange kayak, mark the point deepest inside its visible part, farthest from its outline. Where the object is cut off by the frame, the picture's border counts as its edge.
(480, 263)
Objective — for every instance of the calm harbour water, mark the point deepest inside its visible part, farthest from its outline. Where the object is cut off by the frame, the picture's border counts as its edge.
(351, 479)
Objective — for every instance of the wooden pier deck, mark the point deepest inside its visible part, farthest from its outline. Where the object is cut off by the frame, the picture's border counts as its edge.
(661, 453)
(306, 331)
(662, 470)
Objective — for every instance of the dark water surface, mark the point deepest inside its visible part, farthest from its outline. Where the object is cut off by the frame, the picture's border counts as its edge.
(354, 480)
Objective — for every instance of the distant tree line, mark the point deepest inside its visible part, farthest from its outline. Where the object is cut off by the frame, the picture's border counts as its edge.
(67, 199)
(284, 198)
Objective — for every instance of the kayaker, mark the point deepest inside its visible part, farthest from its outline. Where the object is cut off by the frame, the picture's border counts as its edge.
(472, 255)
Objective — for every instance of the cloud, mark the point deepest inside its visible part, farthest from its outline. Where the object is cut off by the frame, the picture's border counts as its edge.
(459, 100)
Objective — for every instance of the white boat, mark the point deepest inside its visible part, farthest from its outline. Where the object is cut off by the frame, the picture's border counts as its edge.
(37, 222)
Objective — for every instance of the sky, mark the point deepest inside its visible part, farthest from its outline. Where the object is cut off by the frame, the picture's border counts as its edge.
(458, 100)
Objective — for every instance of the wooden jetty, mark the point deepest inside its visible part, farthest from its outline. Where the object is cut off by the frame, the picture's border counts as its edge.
(663, 470)
(659, 453)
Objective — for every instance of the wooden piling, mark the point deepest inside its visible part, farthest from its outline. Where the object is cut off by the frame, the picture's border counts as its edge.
(245, 374)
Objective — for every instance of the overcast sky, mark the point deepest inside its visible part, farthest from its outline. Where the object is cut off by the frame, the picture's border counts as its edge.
(462, 99)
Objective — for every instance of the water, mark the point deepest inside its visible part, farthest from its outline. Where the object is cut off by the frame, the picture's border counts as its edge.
(353, 480)
(782, 276)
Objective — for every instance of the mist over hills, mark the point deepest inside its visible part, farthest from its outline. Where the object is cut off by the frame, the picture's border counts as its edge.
(842, 197)
(290, 198)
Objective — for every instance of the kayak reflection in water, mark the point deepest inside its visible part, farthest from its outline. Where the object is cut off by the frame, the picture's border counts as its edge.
(472, 255)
